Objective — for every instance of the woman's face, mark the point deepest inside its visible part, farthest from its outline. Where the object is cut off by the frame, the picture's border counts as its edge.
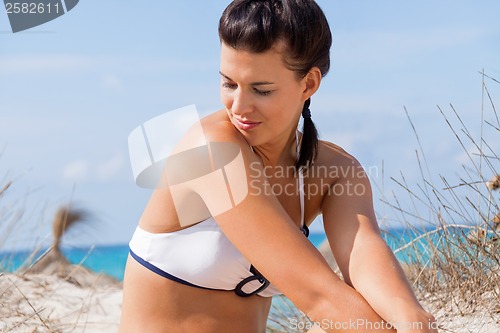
(263, 98)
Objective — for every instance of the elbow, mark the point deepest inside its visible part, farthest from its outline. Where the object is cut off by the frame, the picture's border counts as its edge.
(319, 304)
(321, 309)
(340, 308)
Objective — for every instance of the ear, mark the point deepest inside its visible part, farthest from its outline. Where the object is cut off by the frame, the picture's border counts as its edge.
(312, 81)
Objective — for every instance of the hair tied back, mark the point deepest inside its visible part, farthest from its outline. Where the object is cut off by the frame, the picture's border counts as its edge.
(306, 112)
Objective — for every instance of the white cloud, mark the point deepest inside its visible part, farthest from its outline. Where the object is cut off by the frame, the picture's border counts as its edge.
(81, 170)
(75, 171)
(335, 103)
(29, 64)
(111, 82)
(428, 39)
(110, 167)
(167, 65)
(391, 48)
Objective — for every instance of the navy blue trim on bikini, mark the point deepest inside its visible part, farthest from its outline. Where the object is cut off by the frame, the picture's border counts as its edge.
(161, 272)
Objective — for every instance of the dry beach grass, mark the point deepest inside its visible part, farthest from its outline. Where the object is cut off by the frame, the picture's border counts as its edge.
(48, 303)
(52, 295)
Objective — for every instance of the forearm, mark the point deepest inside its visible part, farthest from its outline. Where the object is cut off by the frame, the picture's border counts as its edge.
(378, 276)
(343, 309)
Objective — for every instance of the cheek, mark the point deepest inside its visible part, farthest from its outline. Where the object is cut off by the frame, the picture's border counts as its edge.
(226, 99)
(286, 108)
(277, 115)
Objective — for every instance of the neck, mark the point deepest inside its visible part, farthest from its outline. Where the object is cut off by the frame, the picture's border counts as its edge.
(280, 152)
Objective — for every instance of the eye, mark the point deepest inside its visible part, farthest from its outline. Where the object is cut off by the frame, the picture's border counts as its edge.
(228, 85)
(262, 92)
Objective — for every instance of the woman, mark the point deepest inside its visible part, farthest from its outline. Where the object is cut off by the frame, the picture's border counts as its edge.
(274, 54)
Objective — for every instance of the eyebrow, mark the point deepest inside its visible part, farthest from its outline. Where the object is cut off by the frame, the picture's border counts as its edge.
(259, 83)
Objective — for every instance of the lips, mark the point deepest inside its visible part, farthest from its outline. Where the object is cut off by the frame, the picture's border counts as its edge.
(246, 124)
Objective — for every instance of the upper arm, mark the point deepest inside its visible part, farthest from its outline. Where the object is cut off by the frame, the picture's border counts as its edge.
(364, 258)
(348, 215)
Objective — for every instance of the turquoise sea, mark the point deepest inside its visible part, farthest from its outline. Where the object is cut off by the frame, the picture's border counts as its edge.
(110, 259)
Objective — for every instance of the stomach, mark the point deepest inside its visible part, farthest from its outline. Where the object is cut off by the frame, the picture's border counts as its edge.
(152, 303)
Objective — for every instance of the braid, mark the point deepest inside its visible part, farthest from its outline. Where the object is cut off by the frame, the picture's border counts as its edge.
(309, 143)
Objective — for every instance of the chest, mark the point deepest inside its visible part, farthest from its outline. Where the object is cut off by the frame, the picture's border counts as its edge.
(288, 188)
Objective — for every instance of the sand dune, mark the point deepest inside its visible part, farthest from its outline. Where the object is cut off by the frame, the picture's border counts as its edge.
(46, 303)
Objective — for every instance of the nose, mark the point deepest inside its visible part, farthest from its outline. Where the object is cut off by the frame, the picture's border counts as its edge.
(242, 103)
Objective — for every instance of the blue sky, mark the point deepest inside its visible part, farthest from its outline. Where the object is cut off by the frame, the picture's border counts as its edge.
(72, 90)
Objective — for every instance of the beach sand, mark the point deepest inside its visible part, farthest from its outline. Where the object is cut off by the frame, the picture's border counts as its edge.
(46, 303)
(456, 315)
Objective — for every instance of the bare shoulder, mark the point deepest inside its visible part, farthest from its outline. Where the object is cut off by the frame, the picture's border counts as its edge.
(213, 131)
(215, 121)
(335, 162)
(328, 151)
(210, 144)
(218, 128)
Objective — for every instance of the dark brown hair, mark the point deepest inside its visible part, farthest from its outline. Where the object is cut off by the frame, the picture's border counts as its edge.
(301, 26)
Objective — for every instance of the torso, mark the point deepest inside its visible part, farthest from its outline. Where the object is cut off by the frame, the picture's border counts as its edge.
(162, 305)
